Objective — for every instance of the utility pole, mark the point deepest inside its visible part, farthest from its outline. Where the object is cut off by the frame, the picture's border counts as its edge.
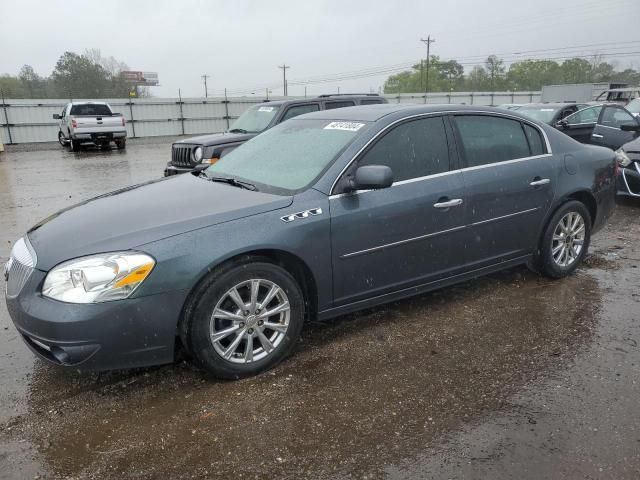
(206, 92)
(284, 77)
(427, 41)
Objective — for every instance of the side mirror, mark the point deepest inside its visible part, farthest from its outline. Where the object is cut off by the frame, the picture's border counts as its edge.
(562, 124)
(372, 177)
(629, 127)
(56, 116)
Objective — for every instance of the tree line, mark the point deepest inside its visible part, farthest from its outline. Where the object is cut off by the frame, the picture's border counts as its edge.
(86, 75)
(525, 75)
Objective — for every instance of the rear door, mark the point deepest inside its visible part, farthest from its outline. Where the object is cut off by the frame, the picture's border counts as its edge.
(509, 180)
(607, 131)
(410, 233)
(580, 125)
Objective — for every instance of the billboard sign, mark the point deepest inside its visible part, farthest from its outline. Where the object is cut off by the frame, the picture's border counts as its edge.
(148, 79)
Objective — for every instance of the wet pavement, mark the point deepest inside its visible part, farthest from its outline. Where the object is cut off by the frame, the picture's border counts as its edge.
(508, 376)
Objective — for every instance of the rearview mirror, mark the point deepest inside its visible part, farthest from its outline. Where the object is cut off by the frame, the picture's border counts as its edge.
(56, 116)
(372, 177)
(629, 127)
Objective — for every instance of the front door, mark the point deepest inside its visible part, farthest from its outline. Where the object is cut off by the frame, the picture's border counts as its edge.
(509, 179)
(408, 234)
(581, 124)
(607, 132)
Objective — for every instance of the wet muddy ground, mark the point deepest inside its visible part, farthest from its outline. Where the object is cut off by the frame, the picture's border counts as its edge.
(508, 376)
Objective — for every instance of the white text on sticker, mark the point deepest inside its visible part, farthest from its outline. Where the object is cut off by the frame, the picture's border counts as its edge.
(349, 126)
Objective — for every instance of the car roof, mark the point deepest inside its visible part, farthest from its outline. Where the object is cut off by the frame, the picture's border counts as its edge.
(372, 113)
(89, 103)
(550, 105)
(626, 89)
(325, 98)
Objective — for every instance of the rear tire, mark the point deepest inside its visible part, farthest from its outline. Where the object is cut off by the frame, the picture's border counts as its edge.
(565, 241)
(75, 146)
(121, 144)
(232, 336)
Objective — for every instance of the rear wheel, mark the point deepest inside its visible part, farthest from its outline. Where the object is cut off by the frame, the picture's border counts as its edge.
(565, 241)
(75, 146)
(245, 320)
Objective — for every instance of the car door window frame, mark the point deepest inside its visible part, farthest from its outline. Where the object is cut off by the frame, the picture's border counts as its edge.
(614, 107)
(282, 119)
(462, 155)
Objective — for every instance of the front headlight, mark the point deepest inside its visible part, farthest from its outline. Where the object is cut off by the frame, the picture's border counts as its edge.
(622, 158)
(98, 278)
(197, 154)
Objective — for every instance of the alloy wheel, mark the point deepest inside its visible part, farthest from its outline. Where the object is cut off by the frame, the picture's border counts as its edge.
(567, 241)
(249, 321)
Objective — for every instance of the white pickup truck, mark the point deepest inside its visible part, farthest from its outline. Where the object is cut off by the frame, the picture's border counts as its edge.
(90, 122)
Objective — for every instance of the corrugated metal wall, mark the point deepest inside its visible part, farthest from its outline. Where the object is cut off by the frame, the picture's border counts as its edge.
(30, 120)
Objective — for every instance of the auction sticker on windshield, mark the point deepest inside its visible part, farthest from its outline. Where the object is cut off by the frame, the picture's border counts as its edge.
(265, 109)
(349, 126)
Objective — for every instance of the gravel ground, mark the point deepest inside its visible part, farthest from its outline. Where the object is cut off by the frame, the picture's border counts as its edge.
(508, 376)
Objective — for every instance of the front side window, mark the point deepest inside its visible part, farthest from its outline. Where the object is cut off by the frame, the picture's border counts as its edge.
(254, 119)
(413, 149)
(288, 157)
(332, 105)
(487, 139)
(300, 110)
(587, 115)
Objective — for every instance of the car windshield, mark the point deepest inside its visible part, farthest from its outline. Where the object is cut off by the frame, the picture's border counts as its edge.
(255, 119)
(542, 114)
(634, 106)
(288, 157)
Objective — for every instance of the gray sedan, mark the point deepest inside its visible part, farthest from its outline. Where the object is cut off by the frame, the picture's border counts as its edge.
(324, 214)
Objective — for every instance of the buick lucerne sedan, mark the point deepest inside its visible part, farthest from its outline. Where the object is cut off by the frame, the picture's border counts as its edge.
(324, 214)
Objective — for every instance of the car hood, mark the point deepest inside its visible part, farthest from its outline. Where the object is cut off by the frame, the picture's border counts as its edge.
(133, 216)
(218, 138)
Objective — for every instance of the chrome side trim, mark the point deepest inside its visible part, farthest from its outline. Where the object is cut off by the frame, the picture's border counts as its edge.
(495, 219)
(400, 242)
(446, 112)
(451, 172)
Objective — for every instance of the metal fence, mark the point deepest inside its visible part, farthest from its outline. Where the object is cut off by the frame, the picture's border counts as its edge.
(31, 120)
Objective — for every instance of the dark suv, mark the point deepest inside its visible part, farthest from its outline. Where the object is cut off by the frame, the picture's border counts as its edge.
(197, 153)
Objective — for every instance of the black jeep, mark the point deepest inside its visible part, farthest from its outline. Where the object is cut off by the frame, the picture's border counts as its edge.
(197, 153)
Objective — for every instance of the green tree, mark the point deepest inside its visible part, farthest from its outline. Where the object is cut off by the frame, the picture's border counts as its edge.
(478, 79)
(495, 70)
(11, 87)
(76, 76)
(575, 70)
(33, 85)
(533, 74)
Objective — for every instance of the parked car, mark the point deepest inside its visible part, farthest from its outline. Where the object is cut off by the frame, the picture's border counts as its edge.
(629, 176)
(621, 96)
(90, 122)
(550, 113)
(607, 125)
(633, 107)
(511, 106)
(325, 214)
(197, 153)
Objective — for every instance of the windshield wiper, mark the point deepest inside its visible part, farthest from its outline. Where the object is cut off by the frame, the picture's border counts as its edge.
(238, 130)
(232, 181)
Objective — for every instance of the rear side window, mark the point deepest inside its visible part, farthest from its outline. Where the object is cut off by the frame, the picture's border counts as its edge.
(413, 149)
(370, 101)
(332, 105)
(587, 115)
(90, 109)
(488, 139)
(300, 110)
(535, 140)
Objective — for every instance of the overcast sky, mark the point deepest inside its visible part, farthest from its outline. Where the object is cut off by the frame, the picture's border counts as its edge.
(239, 43)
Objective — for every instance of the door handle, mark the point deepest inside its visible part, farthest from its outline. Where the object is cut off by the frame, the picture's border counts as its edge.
(449, 203)
(597, 135)
(542, 181)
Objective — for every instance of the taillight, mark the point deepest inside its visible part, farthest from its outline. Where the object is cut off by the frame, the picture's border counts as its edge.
(123, 121)
(74, 124)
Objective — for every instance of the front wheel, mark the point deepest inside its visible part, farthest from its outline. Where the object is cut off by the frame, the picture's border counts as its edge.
(565, 241)
(121, 144)
(62, 140)
(245, 320)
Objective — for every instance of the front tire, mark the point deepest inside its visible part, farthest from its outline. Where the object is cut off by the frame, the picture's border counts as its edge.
(565, 241)
(244, 319)
(62, 140)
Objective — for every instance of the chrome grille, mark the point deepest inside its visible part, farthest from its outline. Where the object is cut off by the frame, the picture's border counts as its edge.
(21, 263)
(181, 155)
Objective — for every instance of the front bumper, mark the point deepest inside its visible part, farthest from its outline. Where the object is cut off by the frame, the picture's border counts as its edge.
(173, 170)
(128, 333)
(628, 181)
